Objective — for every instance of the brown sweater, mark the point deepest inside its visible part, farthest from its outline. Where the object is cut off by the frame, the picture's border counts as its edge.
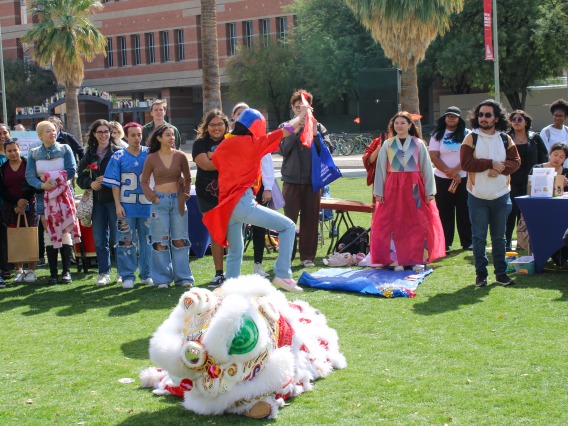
(177, 172)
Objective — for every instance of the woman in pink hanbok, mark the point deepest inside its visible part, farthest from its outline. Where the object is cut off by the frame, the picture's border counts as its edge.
(406, 228)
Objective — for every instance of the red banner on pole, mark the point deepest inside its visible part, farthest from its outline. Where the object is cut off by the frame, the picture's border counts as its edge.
(487, 26)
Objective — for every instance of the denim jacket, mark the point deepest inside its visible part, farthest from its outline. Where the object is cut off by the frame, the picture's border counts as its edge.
(56, 150)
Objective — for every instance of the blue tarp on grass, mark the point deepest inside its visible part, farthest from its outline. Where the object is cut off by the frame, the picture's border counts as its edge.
(381, 282)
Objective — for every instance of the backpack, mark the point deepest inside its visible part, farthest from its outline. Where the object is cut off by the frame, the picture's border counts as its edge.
(354, 240)
(504, 138)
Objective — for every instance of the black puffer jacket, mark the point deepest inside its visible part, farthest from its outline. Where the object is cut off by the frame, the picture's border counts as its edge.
(87, 176)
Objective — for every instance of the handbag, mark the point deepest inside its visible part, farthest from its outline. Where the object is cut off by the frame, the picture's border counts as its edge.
(277, 201)
(85, 208)
(22, 242)
(324, 170)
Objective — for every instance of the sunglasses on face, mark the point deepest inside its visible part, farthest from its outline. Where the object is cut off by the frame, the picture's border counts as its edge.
(517, 119)
(485, 114)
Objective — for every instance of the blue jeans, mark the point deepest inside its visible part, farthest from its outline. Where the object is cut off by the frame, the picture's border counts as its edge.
(490, 214)
(133, 230)
(104, 226)
(248, 210)
(166, 225)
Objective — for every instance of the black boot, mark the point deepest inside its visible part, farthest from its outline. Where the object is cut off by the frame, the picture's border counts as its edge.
(52, 261)
(66, 253)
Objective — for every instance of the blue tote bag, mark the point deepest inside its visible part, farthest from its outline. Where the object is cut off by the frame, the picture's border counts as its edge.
(324, 170)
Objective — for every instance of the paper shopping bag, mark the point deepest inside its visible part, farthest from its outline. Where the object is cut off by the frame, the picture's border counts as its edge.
(22, 242)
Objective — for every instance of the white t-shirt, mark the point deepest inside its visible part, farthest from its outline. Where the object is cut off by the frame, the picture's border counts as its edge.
(550, 135)
(449, 149)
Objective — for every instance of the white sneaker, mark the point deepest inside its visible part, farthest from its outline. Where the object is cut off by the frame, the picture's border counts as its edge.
(103, 279)
(19, 276)
(30, 277)
(147, 281)
(287, 284)
(119, 279)
(259, 271)
(128, 284)
(163, 286)
(308, 263)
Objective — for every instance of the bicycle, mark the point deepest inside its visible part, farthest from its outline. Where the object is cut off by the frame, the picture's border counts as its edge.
(342, 146)
(360, 142)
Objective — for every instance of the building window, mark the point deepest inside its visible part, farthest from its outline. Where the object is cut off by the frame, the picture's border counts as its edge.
(265, 31)
(122, 59)
(150, 49)
(110, 54)
(180, 45)
(136, 49)
(247, 33)
(231, 38)
(281, 28)
(165, 41)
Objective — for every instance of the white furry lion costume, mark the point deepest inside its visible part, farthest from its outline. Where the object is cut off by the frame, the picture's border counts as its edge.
(242, 348)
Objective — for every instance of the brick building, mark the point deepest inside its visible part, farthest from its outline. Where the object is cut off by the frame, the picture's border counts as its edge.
(153, 51)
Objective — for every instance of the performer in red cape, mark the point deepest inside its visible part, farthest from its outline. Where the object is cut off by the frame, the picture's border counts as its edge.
(404, 189)
(238, 161)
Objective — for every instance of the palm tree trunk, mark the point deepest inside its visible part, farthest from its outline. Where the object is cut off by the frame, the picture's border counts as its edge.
(409, 91)
(72, 108)
(210, 60)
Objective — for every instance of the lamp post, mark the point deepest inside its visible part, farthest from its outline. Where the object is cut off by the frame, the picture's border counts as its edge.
(4, 112)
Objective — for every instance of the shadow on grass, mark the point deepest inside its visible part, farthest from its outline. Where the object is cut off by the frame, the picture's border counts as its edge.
(444, 302)
(78, 298)
(137, 349)
(177, 415)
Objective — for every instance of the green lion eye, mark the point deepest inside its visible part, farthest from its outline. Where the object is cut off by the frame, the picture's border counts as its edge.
(192, 355)
(246, 338)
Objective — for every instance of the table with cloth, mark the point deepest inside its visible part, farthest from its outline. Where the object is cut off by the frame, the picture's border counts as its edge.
(197, 232)
(546, 220)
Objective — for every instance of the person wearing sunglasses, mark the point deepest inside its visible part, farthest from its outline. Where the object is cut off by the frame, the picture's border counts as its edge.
(532, 150)
(557, 131)
(489, 156)
(91, 171)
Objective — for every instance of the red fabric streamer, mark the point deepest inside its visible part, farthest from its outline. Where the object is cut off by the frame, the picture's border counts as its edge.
(307, 135)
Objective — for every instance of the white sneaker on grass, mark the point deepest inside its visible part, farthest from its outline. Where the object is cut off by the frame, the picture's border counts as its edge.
(128, 284)
(287, 284)
(118, 279)
(103, 279)
(30, 277)
(163, 286)
(259, 271)
(19, 276)
(147, 281)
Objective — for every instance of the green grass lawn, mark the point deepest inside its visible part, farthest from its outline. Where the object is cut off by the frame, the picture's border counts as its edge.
(455, 354)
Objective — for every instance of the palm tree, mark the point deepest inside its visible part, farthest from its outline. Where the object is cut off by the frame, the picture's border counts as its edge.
(210, 56)
(62, 37)
(404, 30)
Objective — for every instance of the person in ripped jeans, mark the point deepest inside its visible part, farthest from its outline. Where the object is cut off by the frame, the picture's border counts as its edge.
(132, 208)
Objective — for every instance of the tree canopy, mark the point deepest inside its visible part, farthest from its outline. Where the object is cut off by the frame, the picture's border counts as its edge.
(26, 84)
(532, 46)
(324, 55)
(63, 36)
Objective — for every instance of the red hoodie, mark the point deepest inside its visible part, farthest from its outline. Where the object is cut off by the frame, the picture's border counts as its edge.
(238, 161)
